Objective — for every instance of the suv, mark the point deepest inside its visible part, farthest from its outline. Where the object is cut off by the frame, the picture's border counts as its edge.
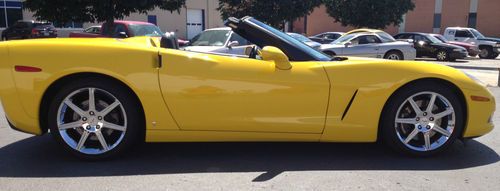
(489, 47)
(29, 29)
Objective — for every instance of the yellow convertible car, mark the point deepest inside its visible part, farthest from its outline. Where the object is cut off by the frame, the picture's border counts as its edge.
(99, 97)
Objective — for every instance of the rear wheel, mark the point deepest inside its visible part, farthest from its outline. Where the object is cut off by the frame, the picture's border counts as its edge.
(422, 119)
(442, 55)
(94, 119)
(394, 55)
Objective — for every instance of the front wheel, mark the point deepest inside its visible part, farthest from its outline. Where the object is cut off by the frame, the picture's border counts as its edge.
(442, 55)
(422, 119)
(486, 52)
(95, 119)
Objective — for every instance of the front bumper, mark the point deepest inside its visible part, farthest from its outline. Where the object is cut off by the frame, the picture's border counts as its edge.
(458, 55)
(496, 50)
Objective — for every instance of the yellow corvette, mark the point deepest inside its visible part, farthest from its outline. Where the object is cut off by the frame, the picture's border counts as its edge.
(100, 96)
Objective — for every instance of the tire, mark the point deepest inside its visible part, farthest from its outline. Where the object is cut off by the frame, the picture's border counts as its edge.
(486, 52)
(410, 127)
(494, 55)
(110, 129)
(394, 55)
(442, 55)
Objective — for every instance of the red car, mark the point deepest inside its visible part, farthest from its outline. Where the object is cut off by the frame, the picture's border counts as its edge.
(122, 29)
(471, 48)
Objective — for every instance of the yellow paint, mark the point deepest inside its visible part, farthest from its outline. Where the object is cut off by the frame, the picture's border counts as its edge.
(206, 97)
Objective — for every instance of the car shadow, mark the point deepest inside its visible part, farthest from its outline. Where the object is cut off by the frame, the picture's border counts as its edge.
(42, 157)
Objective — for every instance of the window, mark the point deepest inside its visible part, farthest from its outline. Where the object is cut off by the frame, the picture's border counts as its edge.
(367, 39)
(404, 36)
(472, 20)
(69, 25)
(241, 40)
(152, 19)
(463, 34)
(421, 38)
(10, 12)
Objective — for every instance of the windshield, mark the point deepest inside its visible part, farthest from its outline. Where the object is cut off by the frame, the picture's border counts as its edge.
(441, 38)
(211, 38)
(433, 39)
(299, 37)
(145, 30)
(288, 39)
(345, 38)
(385, 37)
(477, 33)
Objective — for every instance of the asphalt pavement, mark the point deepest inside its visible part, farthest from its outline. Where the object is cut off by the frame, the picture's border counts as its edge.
(38, 163)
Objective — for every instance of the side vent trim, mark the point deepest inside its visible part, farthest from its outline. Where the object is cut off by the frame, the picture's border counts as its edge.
(349, 105)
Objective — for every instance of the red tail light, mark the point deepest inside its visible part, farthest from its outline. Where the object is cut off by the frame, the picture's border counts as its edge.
(35, 32)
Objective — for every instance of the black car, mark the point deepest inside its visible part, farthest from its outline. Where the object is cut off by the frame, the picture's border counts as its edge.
(429, 46)
(327, 37)
(29, 29)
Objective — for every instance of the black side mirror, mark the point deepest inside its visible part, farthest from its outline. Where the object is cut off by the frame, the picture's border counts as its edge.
(169, 40)
(122, 35)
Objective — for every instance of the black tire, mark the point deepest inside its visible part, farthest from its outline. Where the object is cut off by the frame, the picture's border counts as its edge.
(134, 116)
(486, 52)
(388, 126)
(446, 56)
(394, 54)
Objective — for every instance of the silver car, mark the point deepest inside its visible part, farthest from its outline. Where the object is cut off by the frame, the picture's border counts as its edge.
(370, 44)
(219, 40)
(305, 40)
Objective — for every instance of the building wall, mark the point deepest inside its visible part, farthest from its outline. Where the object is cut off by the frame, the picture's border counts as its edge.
(422, 19)
(488, 17)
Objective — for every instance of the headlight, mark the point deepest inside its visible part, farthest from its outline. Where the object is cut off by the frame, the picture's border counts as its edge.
(475, 79)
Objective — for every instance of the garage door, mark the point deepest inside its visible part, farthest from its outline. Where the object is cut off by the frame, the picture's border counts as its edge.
(195, 22)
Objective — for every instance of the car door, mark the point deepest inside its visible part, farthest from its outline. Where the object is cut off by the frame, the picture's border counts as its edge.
(208, 92)
(363, 46)
(423, 45)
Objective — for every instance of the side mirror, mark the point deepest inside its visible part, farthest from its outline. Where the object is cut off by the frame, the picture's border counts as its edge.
(233, 44)
(348, 44)
(281, 61)
(122, 35)
(421, 43)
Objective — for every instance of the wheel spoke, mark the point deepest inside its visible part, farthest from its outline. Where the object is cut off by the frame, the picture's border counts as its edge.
(91, 99)
(411, 136)
(441, 130)
(110, 108)
(74, 107)
(445, 113)
(431, 103)
(113, 126)
(66, 126)
(84, 137)
(427, 139)
(406, 120)
(102, 140)
(414, 105)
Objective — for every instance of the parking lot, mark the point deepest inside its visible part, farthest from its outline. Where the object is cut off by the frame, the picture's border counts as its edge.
(38, 163)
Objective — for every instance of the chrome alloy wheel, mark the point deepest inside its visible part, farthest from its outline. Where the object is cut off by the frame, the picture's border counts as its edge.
(484, 52)
(425, 121)
(393, 57)
(91, 121)
(441, 55)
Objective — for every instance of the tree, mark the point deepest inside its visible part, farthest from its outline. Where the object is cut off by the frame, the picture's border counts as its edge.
(273, 12)
(368, 13)
(63, 11)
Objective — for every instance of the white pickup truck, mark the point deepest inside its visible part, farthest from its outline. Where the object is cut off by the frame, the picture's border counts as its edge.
(489, 47)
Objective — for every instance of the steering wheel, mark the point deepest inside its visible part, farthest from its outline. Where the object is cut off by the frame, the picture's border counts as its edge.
(254, 52)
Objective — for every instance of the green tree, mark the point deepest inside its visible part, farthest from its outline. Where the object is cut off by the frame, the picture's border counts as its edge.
(63, 11)
(368, 13)
(273, 12)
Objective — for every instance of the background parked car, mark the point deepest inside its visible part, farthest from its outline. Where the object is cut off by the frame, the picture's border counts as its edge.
(429, 46)
(375, 44)
(29, 29)
(472, 49)
(327, 37)
(305, 40)
(489, 47)
(121, 29)
(219, 40)
(93, 30)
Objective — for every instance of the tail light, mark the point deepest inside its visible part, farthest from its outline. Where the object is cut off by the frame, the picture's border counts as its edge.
(35, 32)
